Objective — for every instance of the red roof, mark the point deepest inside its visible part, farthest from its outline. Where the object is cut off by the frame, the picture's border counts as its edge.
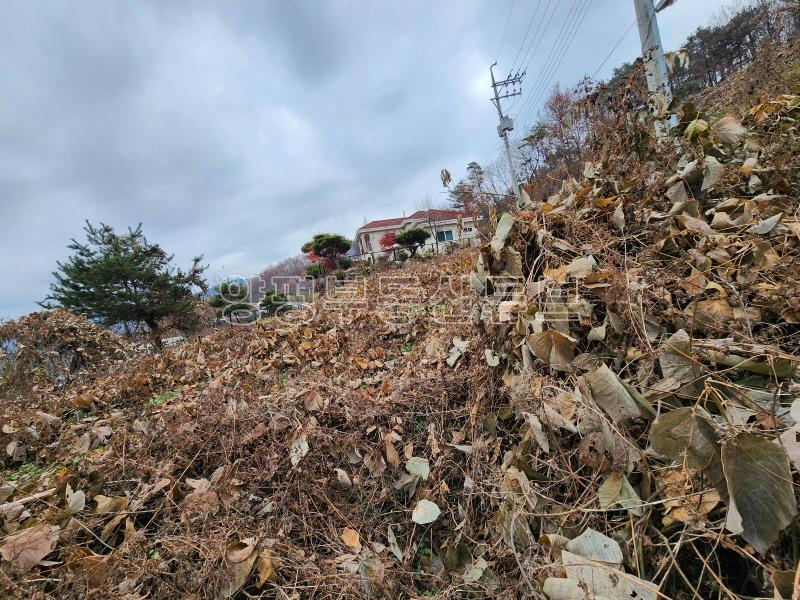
(382, 223)
(435, 215)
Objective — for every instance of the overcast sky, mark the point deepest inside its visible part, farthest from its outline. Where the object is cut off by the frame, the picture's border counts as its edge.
(237, 129)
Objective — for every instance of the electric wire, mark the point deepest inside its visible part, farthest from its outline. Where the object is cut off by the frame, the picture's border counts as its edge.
(546, 81)
(539, 38)
(561, 53)
(614, 49)
(558, 41)
(525, 37)
(505, 30)
(553, 58)
(550, 56)
(551, 68)
(536, 37)
(494, 147)
(541, 88)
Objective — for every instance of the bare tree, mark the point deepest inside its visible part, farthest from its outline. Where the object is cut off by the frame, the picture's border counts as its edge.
(430, 207)
(278, 274)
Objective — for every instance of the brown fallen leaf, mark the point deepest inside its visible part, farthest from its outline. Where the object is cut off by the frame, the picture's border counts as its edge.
(267, 567)
(95, 567)
(239, 558)
(693, 225)
(351, 538)
(681, 506)
(312, 400)
(83, 401)
(202, 500)
(392, 456)
(26, 548)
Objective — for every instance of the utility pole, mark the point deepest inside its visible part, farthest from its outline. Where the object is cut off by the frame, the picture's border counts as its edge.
(506, 124)
(654, 62)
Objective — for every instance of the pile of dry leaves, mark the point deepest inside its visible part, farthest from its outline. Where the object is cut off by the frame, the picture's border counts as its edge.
(647, 321)
(52, 349)
(613, 415)
(330, 452)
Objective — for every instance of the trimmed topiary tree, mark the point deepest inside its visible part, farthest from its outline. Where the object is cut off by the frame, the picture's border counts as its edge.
(272, 301)
(412, 239)
(230, 296)
(314, 271)
(325, 249)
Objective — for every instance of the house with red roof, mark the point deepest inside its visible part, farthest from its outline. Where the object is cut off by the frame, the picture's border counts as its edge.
(447, 228)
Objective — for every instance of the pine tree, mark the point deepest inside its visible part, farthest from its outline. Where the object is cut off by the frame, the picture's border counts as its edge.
(460, 196)
(124, 278)
(475, 175)
(464, 194)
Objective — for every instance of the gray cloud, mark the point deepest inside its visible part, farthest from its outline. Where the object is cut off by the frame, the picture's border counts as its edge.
(239, 129)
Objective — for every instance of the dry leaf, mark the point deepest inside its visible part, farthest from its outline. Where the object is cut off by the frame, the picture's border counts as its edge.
(765, 226)
(312, 400)
(239, 560)
(581, 267)
(392, 456)
(553, 347)
(26, 548)
(351, 539)
(343, 478)
(393, 545)
(95, 567)
(418, 467)
(425, 512)
(298, 449)
(696, 226)
(267, 567)
(759, 481)
(729, 130)
(605, 388)
(83, 401)
(713, 171)
(76, 501)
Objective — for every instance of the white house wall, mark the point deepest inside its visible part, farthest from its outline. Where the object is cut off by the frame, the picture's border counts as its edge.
(369, 241)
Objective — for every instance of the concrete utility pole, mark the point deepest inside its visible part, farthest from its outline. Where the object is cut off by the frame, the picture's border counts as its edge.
(654, 62)
(506, 124)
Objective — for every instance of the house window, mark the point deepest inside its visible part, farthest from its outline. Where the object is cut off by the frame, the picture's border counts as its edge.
(444, 236)
(467, 229)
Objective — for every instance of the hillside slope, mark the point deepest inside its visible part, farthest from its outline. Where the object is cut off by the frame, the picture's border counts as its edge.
(775, 70)
(606, 406)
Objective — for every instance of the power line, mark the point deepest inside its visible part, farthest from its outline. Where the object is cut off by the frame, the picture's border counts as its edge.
(619, 41)
(530, 51)
(525, 37)
(557, 42)
(565, 47)
(552, 56)
(536, 37)
(490, 152)
(493, 149)
(529, 55)
(549, 70)
(562, 51)
(505, 29)
(614, 49)
(558, 52)
(507, 88)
